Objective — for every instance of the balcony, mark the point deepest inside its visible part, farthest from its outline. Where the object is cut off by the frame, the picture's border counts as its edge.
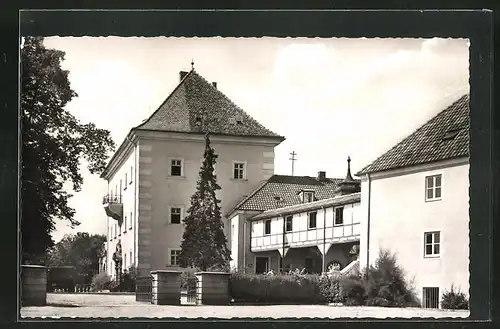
(113, 206)
(306, 238)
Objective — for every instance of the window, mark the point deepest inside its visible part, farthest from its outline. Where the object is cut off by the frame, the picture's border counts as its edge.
(289, 224)
(339, 216)
(306, 196)
(433, 187)
(130, 221)
(126, 180)
(432, 243)
(239, 170)
(176, 168)
(174, 257)
(125, 224)
(116, 228)
(431, 297)
(312, 220)
(131, 261)
(267, 227)
(125, 262)
(131, 174)
(111, 233)
(175, 215)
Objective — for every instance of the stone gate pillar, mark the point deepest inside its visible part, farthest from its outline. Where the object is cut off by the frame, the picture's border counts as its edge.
(166, 287)
(213, 288)
(34, 285)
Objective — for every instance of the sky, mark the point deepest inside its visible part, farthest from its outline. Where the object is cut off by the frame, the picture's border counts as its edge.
(330, 98)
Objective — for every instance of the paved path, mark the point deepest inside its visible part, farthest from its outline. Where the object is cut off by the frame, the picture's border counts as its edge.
(125, 306)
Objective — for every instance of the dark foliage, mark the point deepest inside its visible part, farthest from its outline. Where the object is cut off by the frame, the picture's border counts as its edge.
(292, 288)
(385, 284)
(204, 243)
(454, 300)
(54, 143)
(80, 250)
(352, 290)
(100, 282)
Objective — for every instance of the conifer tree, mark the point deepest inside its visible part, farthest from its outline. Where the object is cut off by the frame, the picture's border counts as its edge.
(204, 244)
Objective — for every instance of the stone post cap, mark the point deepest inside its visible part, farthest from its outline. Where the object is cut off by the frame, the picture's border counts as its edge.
(165, 272)
(34, 266)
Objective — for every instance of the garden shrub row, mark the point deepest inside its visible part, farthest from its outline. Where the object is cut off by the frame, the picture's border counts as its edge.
(293, 288)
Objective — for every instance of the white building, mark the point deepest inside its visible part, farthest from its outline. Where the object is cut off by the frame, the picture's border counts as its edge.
(153, 174)
(297, 222)
(415, 202)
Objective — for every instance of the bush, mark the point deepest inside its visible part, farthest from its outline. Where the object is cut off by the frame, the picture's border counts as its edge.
(114, 286)
(100, 282)
(187, 273)
(291, 288)
(385, 284)
(454, 300)
(128, 280)
(352, 290)
(329, 288)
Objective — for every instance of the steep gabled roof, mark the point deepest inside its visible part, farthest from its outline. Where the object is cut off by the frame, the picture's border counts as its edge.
(196, 105)
(287, 188)
(445, 136)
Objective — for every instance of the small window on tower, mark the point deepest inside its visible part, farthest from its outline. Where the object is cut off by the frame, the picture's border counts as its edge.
(175, 215)
(176, 167)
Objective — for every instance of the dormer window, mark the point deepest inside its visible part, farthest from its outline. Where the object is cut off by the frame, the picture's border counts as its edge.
(451, 134)
(306, 196)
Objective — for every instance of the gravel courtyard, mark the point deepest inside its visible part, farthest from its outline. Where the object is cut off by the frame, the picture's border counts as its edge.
(125, 306)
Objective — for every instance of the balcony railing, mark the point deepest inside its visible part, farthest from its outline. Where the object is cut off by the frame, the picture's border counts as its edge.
(304, 238)
(113, 206)
(110, 198)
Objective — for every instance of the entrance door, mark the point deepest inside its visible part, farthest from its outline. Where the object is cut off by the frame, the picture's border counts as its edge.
(261, 265)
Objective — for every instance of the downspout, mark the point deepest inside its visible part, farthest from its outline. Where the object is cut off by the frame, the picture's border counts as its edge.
(284, 237)
(245, 241)
(368, 222)
(108, 240)
(324, 239)
(136, 186)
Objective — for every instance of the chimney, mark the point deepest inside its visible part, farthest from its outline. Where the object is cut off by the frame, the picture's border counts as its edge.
(182, 74)
(214, 84)
(321, 175)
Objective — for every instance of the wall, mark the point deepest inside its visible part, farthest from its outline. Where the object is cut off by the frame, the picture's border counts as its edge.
(159, 191)
(128, 193)
(400, 216)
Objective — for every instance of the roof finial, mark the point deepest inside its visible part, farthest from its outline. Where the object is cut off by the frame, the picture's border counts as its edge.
(192, 64)
(349, 176)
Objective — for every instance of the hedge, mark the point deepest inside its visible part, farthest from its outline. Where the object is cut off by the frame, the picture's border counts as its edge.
(284, 288)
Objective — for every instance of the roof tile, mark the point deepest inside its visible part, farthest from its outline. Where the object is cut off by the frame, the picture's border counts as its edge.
(429, 143)
(287, 188)
(196, 100)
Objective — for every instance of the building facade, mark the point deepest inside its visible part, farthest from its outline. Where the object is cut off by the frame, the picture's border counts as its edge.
(415, 203)
(297, 222)
(153, 174)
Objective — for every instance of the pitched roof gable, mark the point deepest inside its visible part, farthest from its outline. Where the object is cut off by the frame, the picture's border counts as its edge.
(445, 136)
(196, 105)
(287, 188)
